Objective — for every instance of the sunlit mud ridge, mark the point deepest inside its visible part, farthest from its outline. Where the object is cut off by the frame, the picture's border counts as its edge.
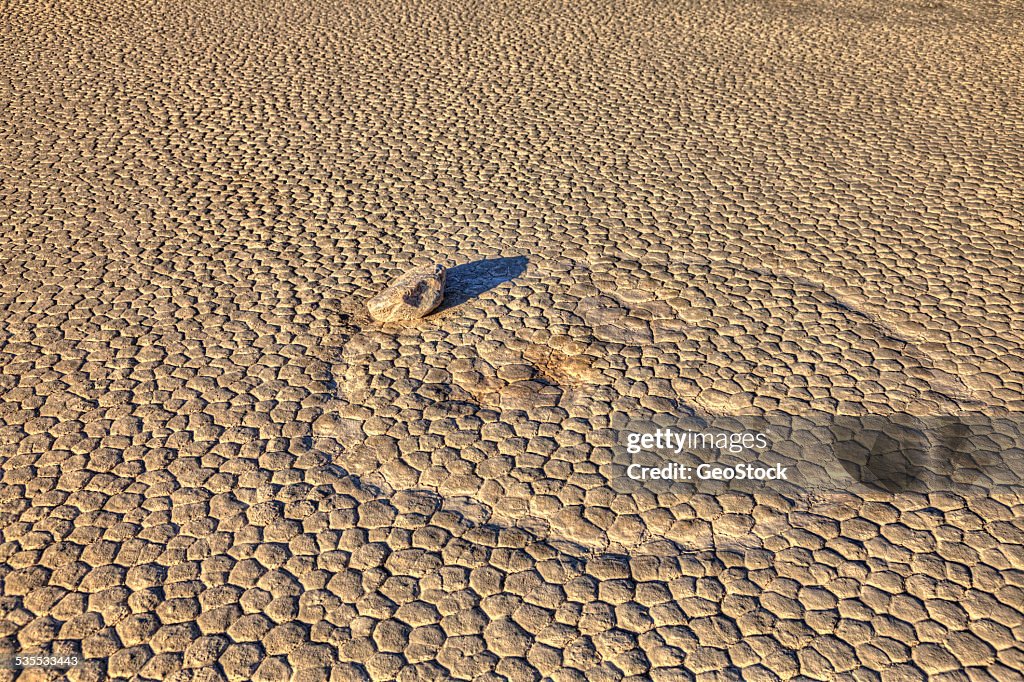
(214, 464)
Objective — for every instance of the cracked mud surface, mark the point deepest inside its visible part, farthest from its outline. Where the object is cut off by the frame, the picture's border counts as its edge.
(214, 466)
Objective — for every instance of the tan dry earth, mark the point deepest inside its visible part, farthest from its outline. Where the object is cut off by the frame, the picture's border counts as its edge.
(215, 468)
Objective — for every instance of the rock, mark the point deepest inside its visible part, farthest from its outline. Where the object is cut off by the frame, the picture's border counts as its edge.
(412, 296)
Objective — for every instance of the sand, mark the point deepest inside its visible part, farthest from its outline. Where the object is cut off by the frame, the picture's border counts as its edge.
(216, 466)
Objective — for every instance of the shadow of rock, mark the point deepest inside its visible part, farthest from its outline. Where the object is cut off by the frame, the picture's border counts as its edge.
(467, 281)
